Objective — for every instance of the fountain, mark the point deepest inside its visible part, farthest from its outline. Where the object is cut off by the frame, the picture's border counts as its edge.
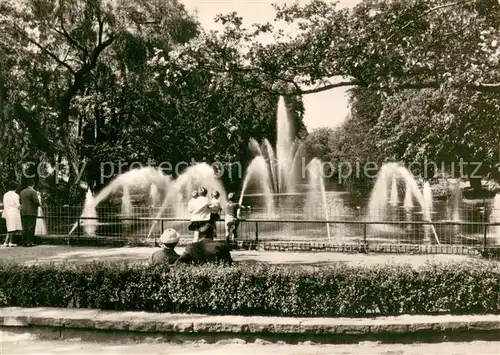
(127, 208)
(391, 173)
(138, 178)
(275, 172)
(179, 191)
(455, 201)
(317, 186)
(89, 222)
(394, 193)
(495, 218)
(258, 170)
(282, 163)
(154, 199)
(427, 210)
(40, 227)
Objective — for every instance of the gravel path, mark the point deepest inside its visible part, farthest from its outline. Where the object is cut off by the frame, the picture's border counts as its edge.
(11, 344)
(50, 253)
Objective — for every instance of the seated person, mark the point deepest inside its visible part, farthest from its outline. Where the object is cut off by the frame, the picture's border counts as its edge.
(206, 251)
(206, 231)
(168, 242)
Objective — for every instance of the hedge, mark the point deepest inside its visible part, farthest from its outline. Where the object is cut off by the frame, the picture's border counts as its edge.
(257, 289)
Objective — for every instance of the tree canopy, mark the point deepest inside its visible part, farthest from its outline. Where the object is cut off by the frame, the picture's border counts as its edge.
(89, 81)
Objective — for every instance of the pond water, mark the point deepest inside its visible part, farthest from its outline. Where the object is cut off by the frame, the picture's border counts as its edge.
(299, 217)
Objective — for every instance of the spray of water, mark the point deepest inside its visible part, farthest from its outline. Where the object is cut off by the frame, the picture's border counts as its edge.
(391, 173)
(495, 218)
(154, 200)
(316, 185)
(127, 208)
(179, 191)
(257, 170)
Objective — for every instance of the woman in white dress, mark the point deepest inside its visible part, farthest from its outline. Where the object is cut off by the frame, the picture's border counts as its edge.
(12, 214)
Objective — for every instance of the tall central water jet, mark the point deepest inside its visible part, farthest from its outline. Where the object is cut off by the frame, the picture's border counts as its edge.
(282, 162)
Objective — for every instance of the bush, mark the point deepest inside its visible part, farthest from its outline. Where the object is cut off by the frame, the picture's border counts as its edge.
(257, 289)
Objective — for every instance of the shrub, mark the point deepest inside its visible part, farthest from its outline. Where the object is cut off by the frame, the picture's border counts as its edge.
(257, 289)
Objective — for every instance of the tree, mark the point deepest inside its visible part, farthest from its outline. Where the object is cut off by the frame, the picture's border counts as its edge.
(89, 82)
(385, 45)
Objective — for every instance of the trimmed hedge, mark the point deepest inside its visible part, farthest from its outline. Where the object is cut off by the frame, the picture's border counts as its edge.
(257, 289)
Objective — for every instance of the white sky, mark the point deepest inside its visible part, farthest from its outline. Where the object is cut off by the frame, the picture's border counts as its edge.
(325, 109)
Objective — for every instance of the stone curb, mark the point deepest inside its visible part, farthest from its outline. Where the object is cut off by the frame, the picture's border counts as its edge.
(198, 323)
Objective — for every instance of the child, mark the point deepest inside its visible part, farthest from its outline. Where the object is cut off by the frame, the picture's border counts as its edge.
(215, 209)
(232, 217)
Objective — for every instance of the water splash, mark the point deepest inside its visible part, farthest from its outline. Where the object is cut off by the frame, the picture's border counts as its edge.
(316, 185)
(408, 203)
(427, 210)
(390, 174)
(495, 218)
(455, 201)
(154, 197)
(258, 171)
(394, 192)
(127, 208)
(40, 228)
(271, 163)
(179, 191)
(89, 214)
(138, 178)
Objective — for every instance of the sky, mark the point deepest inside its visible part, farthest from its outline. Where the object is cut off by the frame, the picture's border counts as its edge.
(325, 109)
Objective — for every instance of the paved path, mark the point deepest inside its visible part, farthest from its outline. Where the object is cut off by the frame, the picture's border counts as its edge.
(49, 253)
(11, 344)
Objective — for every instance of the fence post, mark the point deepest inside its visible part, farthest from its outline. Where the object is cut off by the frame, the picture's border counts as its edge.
(485, 236)
(78, 227)
(256, 232)
(364, 233)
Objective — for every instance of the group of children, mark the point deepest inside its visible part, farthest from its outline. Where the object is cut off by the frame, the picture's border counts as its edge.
(206, 212)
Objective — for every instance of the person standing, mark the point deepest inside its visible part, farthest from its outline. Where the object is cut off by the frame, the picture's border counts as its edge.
(215, 209)
(200, 213)
(232, 217)
(11, 214)
(29, 212)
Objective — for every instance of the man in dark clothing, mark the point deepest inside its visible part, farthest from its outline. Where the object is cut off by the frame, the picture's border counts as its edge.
(29, 211)
(206, 251)
(167, 254)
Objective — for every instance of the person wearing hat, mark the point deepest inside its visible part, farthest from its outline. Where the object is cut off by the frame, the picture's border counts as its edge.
(167, 254)
(232, 217)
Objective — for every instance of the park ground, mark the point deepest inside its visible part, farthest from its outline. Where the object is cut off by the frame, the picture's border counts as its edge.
(12, 343)
(73, 254)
